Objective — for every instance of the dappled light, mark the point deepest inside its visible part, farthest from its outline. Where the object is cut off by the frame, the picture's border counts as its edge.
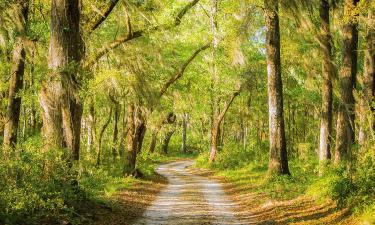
(232, 112)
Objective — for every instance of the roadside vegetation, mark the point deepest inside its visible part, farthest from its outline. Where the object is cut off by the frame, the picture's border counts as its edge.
(347, 187)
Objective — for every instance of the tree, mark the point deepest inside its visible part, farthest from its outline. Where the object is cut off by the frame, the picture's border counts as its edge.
(278, 159)
(368, 82)
(100, 137)
(171, 121)
(185, 118)
(17, 73)
(325, 41)
(216, 126)
(116, 117)
(131, 150)
(59, 98)
(345, 118)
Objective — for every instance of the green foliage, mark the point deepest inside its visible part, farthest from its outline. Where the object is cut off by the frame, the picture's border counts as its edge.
(36, 187)
(233, 156)
(350, 186)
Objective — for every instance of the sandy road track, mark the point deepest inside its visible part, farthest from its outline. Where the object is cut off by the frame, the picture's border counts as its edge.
(190, 199)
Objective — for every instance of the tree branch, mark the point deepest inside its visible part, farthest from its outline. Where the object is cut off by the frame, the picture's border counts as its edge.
(139, 33)
(127, 20)
(100, 18)
(226, 107)
(181, 70)
(178, 19)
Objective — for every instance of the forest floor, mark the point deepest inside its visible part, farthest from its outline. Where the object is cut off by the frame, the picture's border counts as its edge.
(181, 194)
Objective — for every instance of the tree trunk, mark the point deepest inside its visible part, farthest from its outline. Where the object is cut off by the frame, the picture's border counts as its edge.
(214, 73)
(166, 139)
(214, 141)
(215, 127)
(154, 137)
(328, 73)
(100, 139)
(139, 135)
(91, 127)
(123, 133)
(34, 123)
(368, 81)
(131, 149)
(16, 78)
(116, 117)
(345, 117)
(278, 161)
(244, 141)
(184, 129)
(60, 101)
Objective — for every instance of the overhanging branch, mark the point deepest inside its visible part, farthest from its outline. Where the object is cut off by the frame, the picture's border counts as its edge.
(139, 33)
(101, 17)
(181, 70)
(226, 107)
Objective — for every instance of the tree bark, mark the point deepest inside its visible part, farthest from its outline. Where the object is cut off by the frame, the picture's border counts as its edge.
(345, 118)
(16, 78)
(278, 160)
(328, 73)
(59, 98)
(368, 81)
(215, 129)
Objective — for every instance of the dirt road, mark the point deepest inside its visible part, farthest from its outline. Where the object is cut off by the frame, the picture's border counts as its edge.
(190, 199)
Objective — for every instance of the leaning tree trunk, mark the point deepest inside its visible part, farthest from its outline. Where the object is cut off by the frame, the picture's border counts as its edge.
(16, 78)
(167, 139)
(215, 127)
(278, 161)
(368, 81)
(345, 117)
(60, 101)
(328, 72)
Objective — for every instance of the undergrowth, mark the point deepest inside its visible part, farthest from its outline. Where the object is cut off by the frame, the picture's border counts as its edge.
(38, 188)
